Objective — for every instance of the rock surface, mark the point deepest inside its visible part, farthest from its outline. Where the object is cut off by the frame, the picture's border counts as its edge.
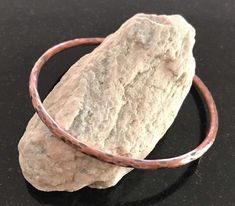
(120, 98)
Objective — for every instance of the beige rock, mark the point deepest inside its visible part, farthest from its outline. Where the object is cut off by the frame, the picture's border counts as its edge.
(120, 98)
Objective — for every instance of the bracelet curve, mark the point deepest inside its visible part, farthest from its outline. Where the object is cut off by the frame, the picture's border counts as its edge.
(61, 133)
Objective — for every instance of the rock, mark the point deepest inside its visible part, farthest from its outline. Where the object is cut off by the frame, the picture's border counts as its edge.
(121, 98)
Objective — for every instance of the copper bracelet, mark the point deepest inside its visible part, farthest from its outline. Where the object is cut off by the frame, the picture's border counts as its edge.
(61, 133)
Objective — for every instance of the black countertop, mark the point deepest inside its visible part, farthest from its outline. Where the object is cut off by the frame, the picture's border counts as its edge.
(28, 28)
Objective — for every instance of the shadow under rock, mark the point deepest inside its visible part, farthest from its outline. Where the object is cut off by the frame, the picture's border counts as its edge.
(112, 196)
(201, 111)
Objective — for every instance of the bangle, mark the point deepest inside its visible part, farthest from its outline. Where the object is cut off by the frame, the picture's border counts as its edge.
(61, 133)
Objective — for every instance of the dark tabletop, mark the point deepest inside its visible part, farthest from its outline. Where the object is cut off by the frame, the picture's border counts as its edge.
(28, 28)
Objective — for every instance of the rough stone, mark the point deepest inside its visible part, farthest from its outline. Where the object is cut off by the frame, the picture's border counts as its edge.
(121, 98)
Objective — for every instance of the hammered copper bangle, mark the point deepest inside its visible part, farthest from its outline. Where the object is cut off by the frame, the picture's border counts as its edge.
(61, 133)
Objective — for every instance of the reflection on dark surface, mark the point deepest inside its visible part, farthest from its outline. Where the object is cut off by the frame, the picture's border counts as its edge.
(162, 183)
(168, 191)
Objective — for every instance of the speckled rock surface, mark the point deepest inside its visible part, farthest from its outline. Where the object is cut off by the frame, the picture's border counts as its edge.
(120, 98)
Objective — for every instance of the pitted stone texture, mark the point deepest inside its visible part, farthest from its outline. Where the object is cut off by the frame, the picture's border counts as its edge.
(121, 98)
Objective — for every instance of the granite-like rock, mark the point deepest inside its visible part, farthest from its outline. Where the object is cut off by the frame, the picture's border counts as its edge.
(120, 98)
